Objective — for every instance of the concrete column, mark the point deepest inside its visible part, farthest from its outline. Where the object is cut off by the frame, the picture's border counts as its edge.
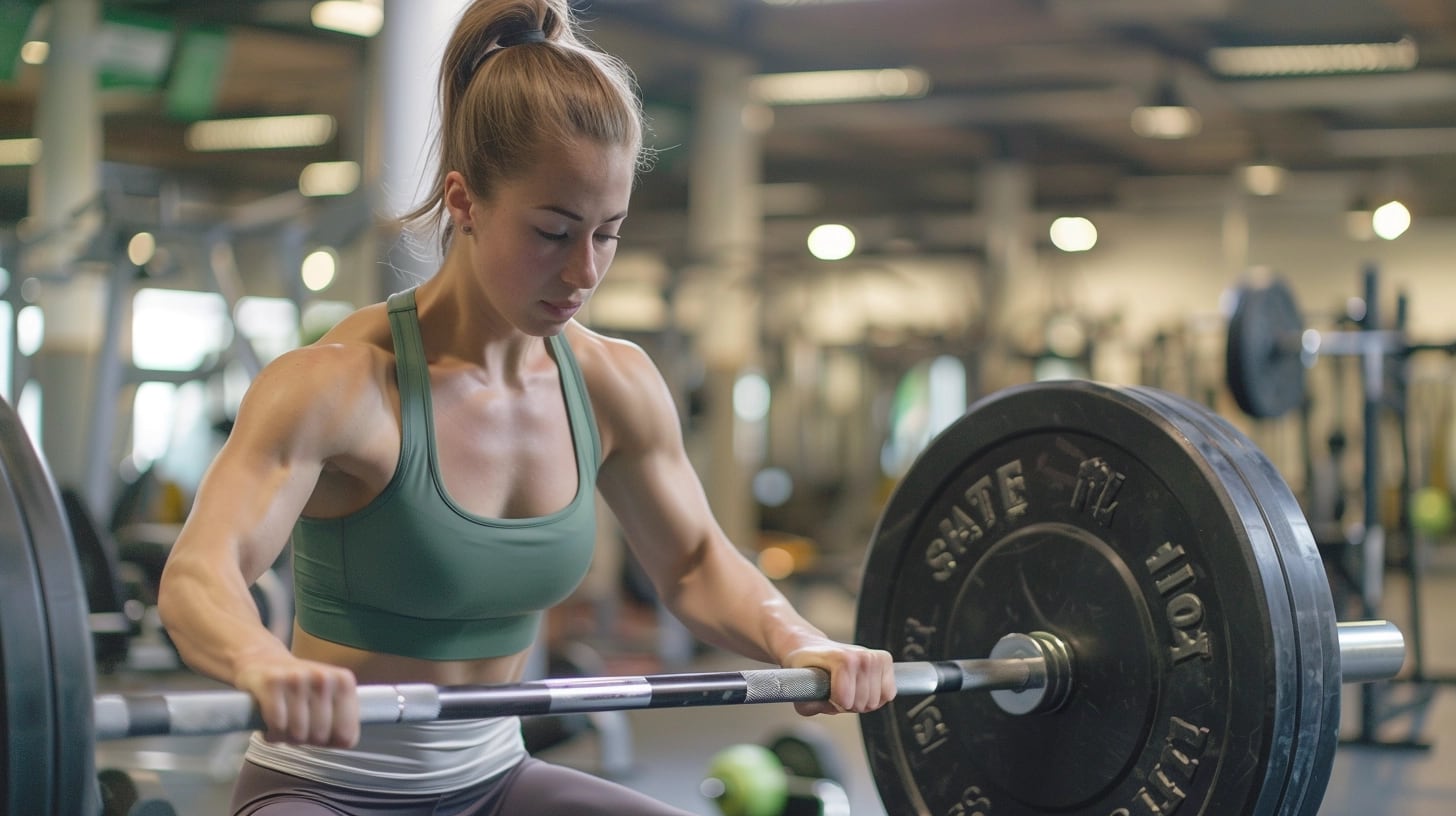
(1234, 233)
(407, 55)
(725, 228)
(1005, 193)
(65, 179)
(68, 123)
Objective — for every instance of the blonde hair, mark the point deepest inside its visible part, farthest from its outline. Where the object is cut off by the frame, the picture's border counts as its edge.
(500, 105)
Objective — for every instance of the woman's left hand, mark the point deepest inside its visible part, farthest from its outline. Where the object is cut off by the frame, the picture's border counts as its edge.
(860, 679)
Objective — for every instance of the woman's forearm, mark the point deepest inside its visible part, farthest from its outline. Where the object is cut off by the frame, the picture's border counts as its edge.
(212, 619)
(727, 602)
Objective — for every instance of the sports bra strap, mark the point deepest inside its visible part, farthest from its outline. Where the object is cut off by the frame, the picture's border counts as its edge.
(413, 373)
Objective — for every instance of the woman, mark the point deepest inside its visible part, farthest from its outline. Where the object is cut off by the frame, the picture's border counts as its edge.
(433, 460)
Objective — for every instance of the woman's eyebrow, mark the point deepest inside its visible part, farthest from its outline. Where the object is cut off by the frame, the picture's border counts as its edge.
(562, 211)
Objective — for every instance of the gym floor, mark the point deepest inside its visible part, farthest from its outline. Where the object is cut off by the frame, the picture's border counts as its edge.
(671, 749)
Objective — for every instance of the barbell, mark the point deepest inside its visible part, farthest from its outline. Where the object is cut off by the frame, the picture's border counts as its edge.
(1156, 623)
(1026, 673)
(1269, 348)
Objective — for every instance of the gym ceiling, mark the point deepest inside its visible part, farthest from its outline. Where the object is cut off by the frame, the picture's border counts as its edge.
(1051, 83)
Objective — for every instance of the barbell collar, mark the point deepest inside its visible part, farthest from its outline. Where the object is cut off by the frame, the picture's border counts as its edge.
(1370, 650)
(1053, 683)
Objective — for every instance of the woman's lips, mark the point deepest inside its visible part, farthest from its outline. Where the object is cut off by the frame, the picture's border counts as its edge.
(562, 309)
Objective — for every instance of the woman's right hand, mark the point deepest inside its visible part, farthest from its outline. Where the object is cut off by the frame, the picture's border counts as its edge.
(303, 701)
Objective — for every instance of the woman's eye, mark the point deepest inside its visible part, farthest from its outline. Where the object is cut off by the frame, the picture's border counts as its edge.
(551, 236)
(606, 236)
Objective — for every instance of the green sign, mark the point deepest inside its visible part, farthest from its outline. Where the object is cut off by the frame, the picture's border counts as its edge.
(201, 58)
(133, 50)
(15, 20)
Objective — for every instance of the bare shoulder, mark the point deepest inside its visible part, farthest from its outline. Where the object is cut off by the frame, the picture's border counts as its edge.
(319, 397)
(628, 393)
(608, 358)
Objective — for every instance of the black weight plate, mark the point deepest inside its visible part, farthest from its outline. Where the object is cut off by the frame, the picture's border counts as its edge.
(1082, 510)
(1317, 737)
(45, 642)
(1264, 369)
(119, 791)
(808, 752)
(27, 714)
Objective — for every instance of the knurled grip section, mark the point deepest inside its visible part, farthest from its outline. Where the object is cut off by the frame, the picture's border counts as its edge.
(786, 685)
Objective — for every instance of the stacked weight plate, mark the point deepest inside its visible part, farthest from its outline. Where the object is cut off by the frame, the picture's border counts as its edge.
(1315, 617)
(47, 755)
(1168, 554)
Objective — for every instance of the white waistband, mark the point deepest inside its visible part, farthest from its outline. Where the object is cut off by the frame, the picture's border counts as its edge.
(431, 757)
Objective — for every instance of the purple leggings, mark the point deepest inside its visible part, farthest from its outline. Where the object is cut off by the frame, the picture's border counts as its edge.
(531, 788)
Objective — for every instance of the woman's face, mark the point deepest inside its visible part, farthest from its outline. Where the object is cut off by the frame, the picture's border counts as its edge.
(544, 240)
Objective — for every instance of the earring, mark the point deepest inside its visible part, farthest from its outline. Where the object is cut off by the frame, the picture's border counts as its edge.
(467, 229)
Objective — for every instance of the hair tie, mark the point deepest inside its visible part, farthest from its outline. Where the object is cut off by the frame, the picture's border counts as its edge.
(532, 35)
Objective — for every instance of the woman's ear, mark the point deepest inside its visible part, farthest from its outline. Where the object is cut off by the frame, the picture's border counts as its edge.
(458, 200)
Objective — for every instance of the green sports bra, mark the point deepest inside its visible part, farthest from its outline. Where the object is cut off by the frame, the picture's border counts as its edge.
(413, 573)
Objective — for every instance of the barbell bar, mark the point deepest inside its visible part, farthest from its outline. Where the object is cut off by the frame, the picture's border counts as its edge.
(1309, 344)
(1369, 651)
(212, 712)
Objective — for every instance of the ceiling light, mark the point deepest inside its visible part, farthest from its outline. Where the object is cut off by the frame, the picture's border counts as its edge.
(141, 248)
(1296, 60)
(811, 87)
(19, 152)
(329, 178)
(318, 269)
(1166, 121)
(362, 18)
(1166, 117)
(260, 132)
(1073, 234)
(35, 52)
(1262, 179)
(831, 242)
(1390, 220)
